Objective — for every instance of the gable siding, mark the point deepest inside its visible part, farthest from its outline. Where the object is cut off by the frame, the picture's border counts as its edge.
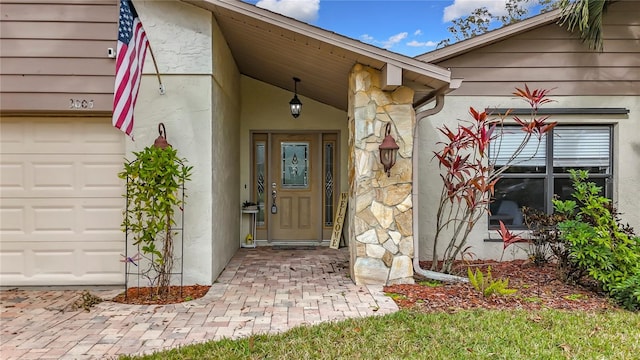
(53, 52)
(551, 57)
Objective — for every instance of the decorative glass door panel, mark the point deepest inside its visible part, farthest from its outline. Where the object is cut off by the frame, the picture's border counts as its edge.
(329, 177)
(259, 159)
(295, 165)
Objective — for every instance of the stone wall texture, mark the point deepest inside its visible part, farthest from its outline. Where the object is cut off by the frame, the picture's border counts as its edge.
(380, 207)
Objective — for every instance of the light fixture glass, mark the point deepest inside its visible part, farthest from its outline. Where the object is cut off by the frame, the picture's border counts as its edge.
(295, 103)
(388, 151)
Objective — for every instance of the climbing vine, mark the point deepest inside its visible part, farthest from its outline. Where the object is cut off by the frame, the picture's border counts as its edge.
(154, 181)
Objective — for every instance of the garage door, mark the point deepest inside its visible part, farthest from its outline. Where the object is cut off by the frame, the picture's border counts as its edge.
(61, 201)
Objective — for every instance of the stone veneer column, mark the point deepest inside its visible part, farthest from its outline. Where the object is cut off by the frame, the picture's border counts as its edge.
(380, 207)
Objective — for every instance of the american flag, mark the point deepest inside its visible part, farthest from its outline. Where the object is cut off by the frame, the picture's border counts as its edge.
(132, 48)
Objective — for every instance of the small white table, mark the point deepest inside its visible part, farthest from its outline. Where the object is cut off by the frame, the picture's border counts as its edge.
(252, 227)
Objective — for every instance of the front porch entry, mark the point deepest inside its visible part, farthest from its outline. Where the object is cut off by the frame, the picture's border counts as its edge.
(294, 185)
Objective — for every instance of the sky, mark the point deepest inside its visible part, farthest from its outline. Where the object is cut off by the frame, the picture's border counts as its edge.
(407, 27)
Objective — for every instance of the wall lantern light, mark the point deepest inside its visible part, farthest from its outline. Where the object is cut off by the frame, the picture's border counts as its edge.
(388, 151)
(295, 103)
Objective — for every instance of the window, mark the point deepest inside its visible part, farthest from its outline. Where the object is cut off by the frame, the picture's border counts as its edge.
(260, 176)
(536, 176)
(328, 153)
(295, 165)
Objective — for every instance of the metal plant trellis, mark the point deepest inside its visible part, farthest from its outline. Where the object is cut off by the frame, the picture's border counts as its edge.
(135, 263)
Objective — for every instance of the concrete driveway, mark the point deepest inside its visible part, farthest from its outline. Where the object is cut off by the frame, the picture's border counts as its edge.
(262, 290)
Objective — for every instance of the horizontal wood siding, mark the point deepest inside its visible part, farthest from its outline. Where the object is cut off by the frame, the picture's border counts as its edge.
(56, 84)
(88, 11)
(551, 57)
(56, 30)
(66, 49)
(53, 54)
(58, 66)
(58, 102)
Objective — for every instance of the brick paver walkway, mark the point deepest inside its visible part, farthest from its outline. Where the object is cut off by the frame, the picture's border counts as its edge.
(262, 290)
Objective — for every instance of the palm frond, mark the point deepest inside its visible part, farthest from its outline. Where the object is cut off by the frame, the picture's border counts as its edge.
(585, 17)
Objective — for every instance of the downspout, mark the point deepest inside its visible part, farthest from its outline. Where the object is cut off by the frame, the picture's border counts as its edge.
(414, 194)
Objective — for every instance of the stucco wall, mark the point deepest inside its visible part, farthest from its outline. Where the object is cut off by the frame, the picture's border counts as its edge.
(225, 167)
(266, 107)
(626, 167)
(200, 118)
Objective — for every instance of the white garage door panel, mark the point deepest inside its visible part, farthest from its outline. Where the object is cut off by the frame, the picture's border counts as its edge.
(45, 220)
(55, 175)
(61, 202)
(66, 263)
(31, 264)
(60, 136)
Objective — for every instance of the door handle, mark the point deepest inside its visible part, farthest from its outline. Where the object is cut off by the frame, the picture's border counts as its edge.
(274, 207)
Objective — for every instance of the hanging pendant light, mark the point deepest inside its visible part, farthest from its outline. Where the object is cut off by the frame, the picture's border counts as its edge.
(295, 103)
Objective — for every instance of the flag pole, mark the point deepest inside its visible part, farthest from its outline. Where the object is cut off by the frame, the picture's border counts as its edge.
(155, 64)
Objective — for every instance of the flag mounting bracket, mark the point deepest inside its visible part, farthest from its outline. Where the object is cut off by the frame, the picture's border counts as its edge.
(155, 64)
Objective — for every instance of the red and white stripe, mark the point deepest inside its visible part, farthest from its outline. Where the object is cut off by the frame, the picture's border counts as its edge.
(129, 63)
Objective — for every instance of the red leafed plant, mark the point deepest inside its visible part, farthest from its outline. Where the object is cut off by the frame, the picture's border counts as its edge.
(469, 175)
(508, 237)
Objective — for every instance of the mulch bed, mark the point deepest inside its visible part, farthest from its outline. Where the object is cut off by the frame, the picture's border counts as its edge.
(147, 296)
(537, 288)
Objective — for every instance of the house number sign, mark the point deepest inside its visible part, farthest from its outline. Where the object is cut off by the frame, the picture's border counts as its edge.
(336, 234)
(80, 104)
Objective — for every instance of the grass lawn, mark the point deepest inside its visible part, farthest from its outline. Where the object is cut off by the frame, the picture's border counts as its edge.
(473, 334)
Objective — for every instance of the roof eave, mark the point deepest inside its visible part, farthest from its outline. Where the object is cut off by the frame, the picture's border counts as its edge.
(490, 37)
(405, 62)
(454, 84)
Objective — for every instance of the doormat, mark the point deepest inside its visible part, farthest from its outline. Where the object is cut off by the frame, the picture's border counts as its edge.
(294, 247)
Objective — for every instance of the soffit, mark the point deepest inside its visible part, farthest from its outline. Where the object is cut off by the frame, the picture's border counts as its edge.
(273, 48)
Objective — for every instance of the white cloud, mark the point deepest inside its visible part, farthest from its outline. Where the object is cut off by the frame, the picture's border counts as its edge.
(461, 8)
(367, 38)
(385, 44)
(392, 40)
(415, 43)
(417, 32)
(303, 10)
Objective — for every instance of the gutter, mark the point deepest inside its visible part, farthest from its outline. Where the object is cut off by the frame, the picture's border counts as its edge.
(434, 275)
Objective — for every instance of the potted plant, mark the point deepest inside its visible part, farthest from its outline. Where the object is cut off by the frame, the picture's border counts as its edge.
(249, 205)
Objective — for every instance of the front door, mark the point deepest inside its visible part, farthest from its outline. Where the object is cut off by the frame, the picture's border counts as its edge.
(294, 195)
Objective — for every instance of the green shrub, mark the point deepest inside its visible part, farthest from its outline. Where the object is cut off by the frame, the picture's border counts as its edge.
(627, 292)
(154, 181)
(598, 244)
(487, 285)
